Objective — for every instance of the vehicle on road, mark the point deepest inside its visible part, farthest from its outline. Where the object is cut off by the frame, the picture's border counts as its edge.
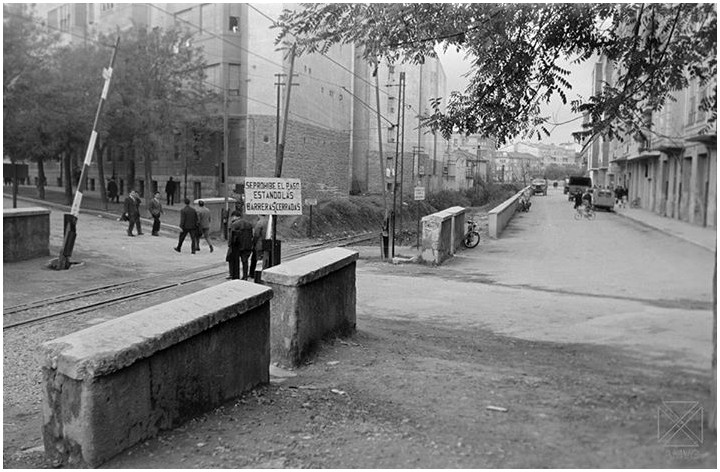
(472, 236)
(603, 198)
(585, 211)
(539, 186)
(578, 185)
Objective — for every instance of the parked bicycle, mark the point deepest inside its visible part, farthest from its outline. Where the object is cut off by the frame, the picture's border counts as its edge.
(472, 236)
(585, 211)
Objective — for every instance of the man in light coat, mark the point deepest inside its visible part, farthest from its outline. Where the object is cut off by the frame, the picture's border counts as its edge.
(204, 218)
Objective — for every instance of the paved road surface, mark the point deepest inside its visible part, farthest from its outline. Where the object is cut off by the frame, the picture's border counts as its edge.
(549, 277)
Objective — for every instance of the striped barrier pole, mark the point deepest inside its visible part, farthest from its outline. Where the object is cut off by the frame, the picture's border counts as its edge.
(70, 219)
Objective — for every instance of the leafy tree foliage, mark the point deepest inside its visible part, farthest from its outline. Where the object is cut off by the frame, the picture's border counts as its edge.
(157, 91)
(27, 61)
(515, 50)
(51, 94)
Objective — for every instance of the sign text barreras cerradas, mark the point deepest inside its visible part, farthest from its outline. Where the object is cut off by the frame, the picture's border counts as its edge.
(272, 196)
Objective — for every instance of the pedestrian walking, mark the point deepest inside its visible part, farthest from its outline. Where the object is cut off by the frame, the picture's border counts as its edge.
(132, 212)
(240, 246)
(188, 224)
(258, 254)
(156, 210)
(170, 188)
(204, 217)
(112, 190)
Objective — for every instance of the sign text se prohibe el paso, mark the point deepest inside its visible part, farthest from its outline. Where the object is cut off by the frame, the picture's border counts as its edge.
(272, 196)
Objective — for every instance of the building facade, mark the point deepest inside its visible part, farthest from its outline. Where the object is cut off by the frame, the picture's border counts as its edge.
(672, 170)
(331, 139)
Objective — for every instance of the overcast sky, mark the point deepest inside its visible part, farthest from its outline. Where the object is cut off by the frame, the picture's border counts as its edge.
(580, 79)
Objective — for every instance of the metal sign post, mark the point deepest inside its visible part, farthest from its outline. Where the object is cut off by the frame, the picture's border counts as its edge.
(419, 196)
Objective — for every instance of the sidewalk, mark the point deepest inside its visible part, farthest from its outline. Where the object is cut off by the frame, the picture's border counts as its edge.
(706, 238)
(92, 204)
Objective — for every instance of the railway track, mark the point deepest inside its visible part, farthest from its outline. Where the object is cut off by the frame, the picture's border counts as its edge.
(94, 298)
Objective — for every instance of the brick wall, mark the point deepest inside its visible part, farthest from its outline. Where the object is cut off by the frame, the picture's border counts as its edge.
(320, 158)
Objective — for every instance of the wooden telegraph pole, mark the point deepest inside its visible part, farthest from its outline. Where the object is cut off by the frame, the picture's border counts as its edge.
(280, 154)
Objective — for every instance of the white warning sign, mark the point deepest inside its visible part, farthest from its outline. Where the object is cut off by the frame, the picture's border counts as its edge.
(272, 196)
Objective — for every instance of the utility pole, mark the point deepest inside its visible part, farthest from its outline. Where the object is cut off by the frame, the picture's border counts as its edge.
(402, 145)
(226, 141)
(385, 226)
(280, 153)
(395, 172)
(70, 219)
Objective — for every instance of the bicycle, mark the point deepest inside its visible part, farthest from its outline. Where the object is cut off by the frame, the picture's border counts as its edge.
(472, 236)
(585, 211)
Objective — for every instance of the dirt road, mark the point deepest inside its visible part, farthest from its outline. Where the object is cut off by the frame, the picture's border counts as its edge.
(581, 351)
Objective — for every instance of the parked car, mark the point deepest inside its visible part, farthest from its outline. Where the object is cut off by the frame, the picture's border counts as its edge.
(603, 198)
(578, 185)
(539, 186)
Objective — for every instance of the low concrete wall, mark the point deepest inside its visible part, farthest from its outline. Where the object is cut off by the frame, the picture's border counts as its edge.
(500, 216)
(120, 382)
(314, 296)
(26, 233)
(442, 234)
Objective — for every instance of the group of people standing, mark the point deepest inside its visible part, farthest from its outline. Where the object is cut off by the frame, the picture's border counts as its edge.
(245, 245)
(245, 238)
(131, 213)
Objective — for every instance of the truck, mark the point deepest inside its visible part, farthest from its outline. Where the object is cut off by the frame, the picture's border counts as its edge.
(578, 185)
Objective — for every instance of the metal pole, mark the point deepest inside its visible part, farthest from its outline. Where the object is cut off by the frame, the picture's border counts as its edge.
(226, 138)
(395, 171)
(383, 247)
(402, 147)
(69, 239)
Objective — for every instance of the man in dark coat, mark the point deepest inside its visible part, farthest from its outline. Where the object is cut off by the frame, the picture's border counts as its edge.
(188, 224)
(156, 210)
(240, 246)
(132, 212)
(112, 190)
(259, 234)
(170, 191)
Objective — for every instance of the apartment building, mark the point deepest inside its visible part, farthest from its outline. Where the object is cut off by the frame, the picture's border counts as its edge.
(332, 142)
(673, 171)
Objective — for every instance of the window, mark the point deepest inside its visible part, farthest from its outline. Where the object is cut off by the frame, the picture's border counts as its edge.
(701, 113)
(53, 18)
(234, 24)
(692, 108)
(212, 77)
(64, 17)
(391, 70)
(105, 7)
(234, 79)
(207, 18)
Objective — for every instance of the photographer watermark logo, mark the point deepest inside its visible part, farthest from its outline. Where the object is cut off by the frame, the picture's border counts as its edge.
(680, 424)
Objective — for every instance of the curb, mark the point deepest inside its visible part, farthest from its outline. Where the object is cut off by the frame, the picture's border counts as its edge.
(88, 211)
(666, 232)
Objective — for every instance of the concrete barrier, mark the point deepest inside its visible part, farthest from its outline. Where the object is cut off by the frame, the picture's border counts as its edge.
(314, 297)
(500, 216)
(26, 233)
(120, 382)
(442, 234)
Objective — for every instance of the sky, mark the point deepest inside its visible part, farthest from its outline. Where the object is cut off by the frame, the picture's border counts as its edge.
(580, 77)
